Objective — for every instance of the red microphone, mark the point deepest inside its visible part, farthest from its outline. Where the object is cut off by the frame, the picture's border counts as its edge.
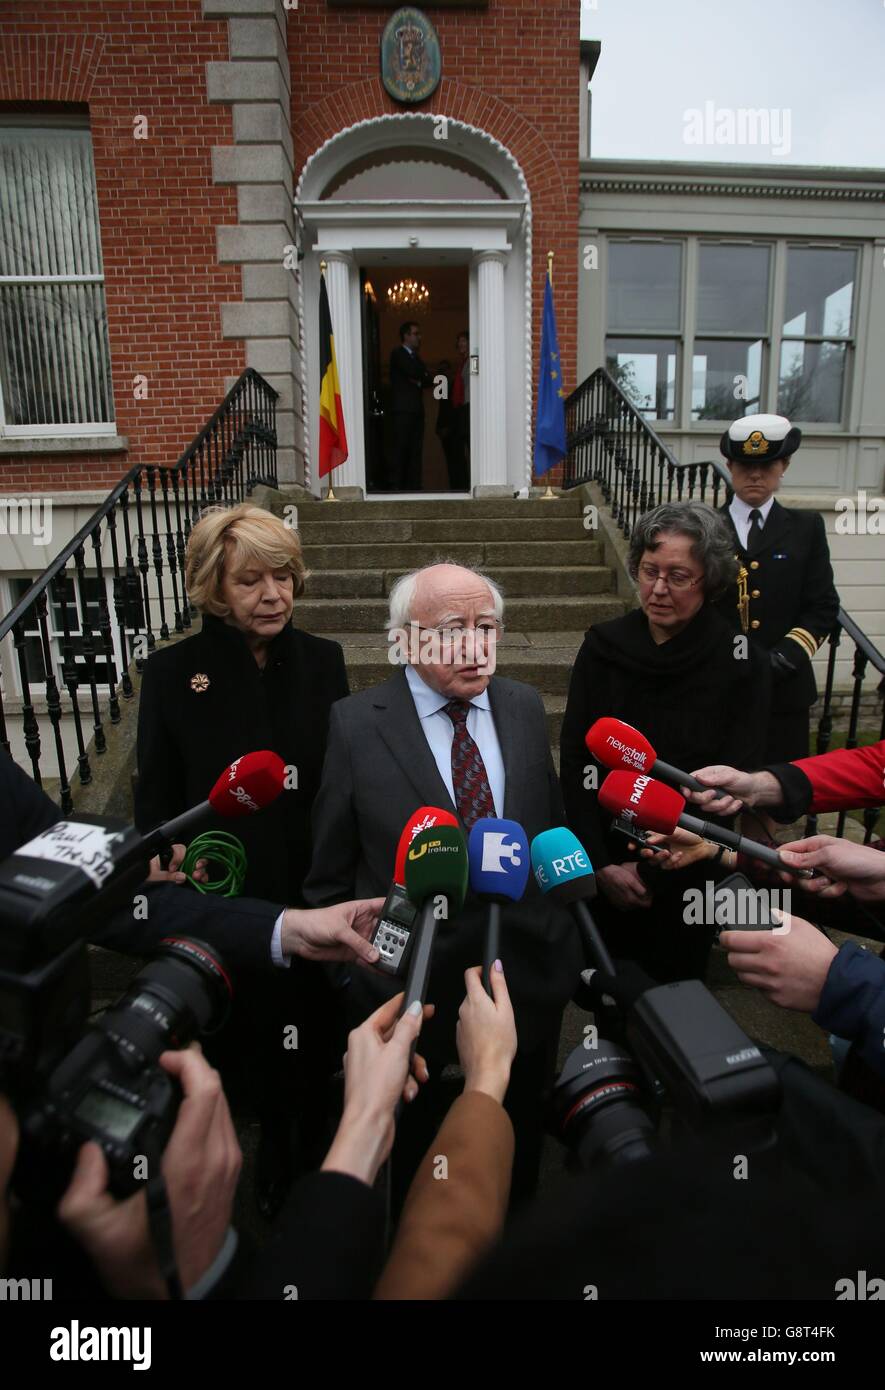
(618, 745)
(248, 785)
(425, 818)
(650, 805)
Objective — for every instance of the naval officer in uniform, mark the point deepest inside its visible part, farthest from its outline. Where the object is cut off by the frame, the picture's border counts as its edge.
(786, 597)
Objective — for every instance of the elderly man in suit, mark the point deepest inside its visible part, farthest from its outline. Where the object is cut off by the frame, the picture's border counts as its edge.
(441, 722)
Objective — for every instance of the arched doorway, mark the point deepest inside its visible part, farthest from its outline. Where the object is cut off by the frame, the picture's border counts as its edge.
(467, 220)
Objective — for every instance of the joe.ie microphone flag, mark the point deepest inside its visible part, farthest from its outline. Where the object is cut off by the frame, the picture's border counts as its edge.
(333, 438)
(550, 426)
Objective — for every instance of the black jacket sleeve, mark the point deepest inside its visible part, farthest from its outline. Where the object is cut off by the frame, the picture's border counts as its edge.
(819, 610)
(160, 788)
(580, 775)
(336, 845)
(240, 929)
(327, 1244)
(25, 809)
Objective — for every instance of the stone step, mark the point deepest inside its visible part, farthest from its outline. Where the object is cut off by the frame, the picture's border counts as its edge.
(365, 531)
(547, 668)
(370, 614)
(443, 509)
(515, 581)
(393, 555)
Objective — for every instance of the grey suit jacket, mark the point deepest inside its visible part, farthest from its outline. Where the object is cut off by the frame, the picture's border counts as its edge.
(378, 771)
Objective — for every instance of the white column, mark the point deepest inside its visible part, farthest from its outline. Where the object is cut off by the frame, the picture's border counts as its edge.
(488, 402)
(344, 307)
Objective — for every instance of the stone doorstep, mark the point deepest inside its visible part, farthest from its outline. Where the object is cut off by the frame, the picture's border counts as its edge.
(515, 581)
(354, 615)
(542, 555)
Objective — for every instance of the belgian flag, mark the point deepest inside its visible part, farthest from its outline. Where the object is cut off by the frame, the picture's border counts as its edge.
(333, 439)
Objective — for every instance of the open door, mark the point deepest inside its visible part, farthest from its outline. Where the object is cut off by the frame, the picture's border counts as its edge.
(373, 412)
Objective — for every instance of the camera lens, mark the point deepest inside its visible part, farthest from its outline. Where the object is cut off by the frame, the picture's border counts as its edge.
(599, 1106)
(184, 992)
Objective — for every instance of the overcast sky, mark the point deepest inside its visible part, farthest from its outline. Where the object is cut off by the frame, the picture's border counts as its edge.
(817, 65)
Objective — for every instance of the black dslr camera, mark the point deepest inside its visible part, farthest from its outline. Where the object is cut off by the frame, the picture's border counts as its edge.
(70, 1080)
(679, 1049)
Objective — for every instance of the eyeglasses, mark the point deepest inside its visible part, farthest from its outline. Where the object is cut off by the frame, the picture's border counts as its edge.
(450, 636)
(676, 579)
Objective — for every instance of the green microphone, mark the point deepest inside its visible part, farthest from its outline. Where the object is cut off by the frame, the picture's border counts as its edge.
(436, 882)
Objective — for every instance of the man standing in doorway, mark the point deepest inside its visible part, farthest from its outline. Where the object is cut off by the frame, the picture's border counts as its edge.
(408, 379)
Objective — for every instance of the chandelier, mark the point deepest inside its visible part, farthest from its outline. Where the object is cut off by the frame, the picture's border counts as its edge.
(408, 294)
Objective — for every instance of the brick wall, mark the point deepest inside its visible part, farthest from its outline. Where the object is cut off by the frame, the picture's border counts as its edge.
(158, 208)
(511, 69)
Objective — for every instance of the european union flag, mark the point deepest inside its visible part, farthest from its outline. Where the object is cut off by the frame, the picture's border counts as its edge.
(550, 427)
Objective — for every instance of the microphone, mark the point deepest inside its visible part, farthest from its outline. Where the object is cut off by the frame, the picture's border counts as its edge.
(425, 818)
(436, 867)
(249, 784)
(653, 806)
(618, 745)
(497, 853)
(563, 870)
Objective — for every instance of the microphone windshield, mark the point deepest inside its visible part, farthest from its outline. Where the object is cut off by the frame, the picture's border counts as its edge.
(436, 866)
(249, 784)
(637, 797)
(425, 818)
(561, 865)
(499, 860)
(616, 744)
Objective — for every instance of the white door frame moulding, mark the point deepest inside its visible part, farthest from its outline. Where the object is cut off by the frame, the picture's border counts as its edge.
(348, 233)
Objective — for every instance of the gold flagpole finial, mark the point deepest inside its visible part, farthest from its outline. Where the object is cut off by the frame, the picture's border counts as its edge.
(323, 265)
(550, 266)
(330, 496)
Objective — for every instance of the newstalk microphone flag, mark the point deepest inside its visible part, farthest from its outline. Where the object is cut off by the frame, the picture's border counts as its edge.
(550, 427)
(333, 439)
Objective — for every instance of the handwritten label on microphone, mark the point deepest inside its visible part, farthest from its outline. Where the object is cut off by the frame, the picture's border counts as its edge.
(85, 847)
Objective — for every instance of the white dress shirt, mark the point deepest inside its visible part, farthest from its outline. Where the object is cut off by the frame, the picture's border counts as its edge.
(740, 515)
(439, 731)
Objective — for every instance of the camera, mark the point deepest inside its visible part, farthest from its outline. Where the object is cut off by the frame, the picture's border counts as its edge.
(71, 1080)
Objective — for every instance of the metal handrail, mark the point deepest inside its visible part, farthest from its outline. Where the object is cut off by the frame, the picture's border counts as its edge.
(611, 444)
(156, 508)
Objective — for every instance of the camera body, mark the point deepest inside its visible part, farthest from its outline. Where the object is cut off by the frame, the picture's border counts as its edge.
(71, 1080)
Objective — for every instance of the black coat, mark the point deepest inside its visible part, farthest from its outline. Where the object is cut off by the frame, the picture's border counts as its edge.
(691, 699)
(790, 585)
(187, 737)
(408, 378)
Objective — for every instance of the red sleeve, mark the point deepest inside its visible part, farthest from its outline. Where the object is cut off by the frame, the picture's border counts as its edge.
(847, 779)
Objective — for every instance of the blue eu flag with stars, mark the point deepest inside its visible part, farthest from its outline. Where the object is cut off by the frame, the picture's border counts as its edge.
(550, 428)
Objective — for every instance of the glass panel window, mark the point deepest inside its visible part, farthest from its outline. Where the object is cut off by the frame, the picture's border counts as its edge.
(726, 378)
(645, 370)
(98, 668)
(812, 381)
(733, 289)
(54, 354)
(820, 292)
(644, 287)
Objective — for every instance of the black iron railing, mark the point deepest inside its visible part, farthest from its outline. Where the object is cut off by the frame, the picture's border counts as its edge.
(611, 444)
(118, 587)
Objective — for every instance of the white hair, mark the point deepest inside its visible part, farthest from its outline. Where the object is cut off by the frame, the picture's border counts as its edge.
(402, 594)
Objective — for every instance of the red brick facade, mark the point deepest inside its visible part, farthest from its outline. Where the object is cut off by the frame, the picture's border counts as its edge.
(511, 70)
(158, 209)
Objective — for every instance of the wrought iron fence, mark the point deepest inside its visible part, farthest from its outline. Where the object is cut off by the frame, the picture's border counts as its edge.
(118, 586)
(611, 444)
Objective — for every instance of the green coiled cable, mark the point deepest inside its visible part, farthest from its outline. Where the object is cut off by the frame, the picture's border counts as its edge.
(222, 851)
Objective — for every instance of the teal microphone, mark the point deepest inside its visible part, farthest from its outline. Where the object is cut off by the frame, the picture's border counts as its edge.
(563, 870)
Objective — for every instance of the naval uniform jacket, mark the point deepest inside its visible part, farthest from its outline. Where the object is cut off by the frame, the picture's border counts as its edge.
(793, 600)
(204, 702)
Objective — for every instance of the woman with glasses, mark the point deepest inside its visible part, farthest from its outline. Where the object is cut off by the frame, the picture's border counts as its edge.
(675, 670)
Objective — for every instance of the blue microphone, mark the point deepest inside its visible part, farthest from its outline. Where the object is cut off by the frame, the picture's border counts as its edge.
(563, 870)
(498, 854)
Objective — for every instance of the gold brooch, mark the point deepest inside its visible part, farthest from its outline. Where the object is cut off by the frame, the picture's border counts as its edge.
(199, 683)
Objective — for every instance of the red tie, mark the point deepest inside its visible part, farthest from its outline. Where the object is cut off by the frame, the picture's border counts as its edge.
(473, 795)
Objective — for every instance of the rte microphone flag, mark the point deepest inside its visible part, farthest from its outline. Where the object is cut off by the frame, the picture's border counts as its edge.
(333, 438)
(550, 426)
